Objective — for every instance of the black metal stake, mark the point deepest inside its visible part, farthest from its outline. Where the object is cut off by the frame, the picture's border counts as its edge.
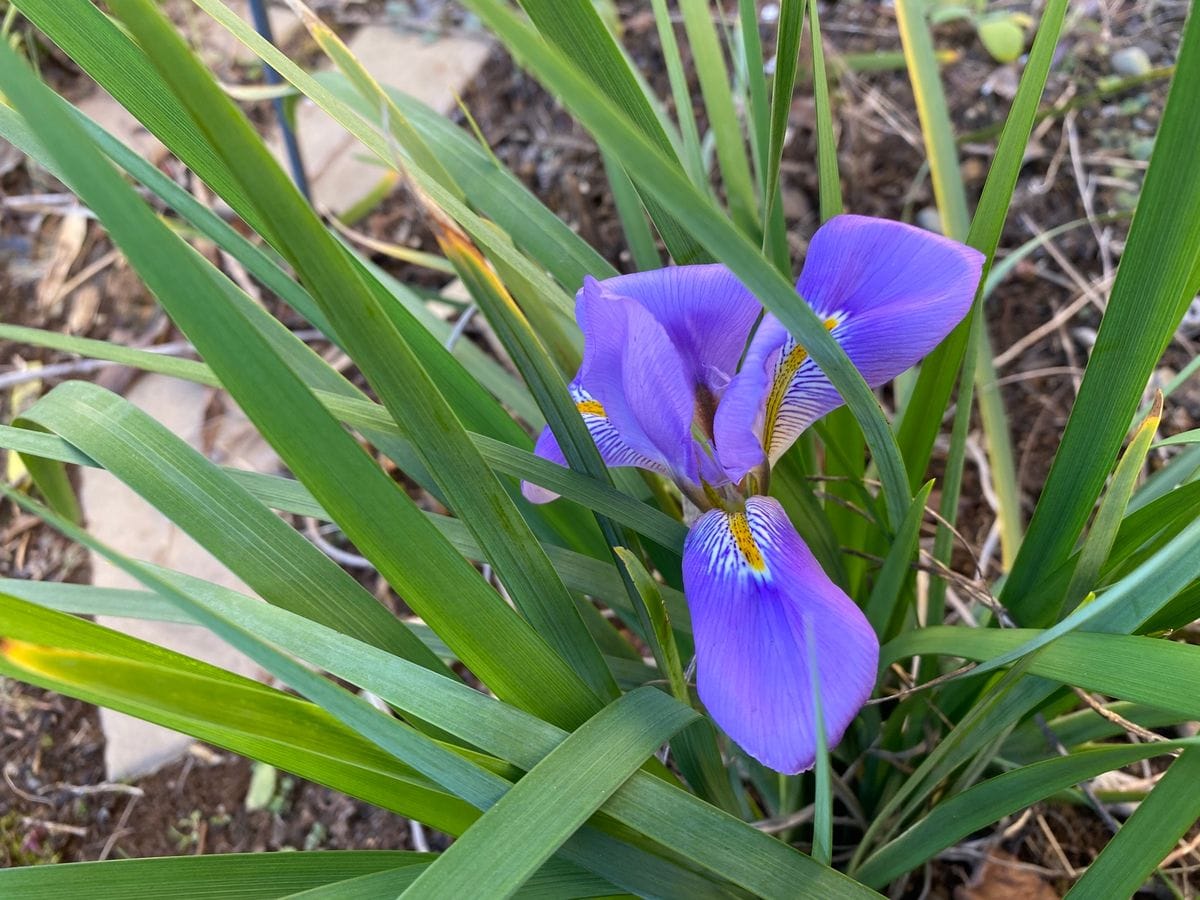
(262, 24)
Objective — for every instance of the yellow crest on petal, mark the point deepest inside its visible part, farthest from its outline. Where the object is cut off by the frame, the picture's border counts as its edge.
(739, 527)
(785, 371)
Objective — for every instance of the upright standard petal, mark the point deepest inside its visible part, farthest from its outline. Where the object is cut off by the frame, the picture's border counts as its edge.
(888, 293)
(761, 608)
(705, 311)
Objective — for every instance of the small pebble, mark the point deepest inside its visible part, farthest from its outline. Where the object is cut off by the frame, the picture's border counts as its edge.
(929, 219)
(1085, 336)
(1131, 62)
(1003, 83)
(1191, 319)
(1141, 148)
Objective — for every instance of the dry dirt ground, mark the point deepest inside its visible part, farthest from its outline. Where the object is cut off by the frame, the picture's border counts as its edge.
(1086, 162)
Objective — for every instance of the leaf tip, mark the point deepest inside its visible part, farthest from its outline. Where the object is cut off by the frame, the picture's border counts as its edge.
(1156, 409)
(310, 19)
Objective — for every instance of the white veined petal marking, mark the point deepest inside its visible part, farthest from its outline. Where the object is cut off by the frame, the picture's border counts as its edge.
(791, 357)
(738, 544)
(604, 433)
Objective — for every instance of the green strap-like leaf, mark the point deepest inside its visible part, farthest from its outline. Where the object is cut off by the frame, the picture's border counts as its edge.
(1098, 545)
(681, 93)
(253, 876)
(953, 820)
(1148, 836)
(708, 62)
(1118, 665)
(830, 182)
(575, 27)
(639, 237)
(555, 879)
(1029, 743)
(881, 607)
(497, 193)
(940, 371)
(748, 53)
(274, 559)
(345, 874)
(934, 114)
(367, 504)
(436, 762)
(514, 837)
(523, 343)
(983, 232)
(1127, 604)
(1147, 302)
(1013, 696)
(65, 654)
(791, 487)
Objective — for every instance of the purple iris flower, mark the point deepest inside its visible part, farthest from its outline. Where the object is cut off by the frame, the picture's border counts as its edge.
(660, 389)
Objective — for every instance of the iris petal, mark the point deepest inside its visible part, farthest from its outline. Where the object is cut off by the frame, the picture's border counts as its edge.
(634, 370)
(759, 601)
(632, 390)
(613, 450)
(888, 292)
(705, 311)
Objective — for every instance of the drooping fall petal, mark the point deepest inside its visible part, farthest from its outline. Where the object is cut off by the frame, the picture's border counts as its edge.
(761, 608)
(632, 368)
(888, 292)
(613, 450)
(632, 390)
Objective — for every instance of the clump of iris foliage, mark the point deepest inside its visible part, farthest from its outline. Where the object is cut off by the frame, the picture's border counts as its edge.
(682, 640)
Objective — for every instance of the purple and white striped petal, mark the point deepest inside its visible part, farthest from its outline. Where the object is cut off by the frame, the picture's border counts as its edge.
(635, 372)
(613, 450)
(888, 293)
(705, 310)
(762, 608)
(632, 391)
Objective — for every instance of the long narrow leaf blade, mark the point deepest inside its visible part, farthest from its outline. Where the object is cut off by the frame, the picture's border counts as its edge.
(312, 442)
(991, 801)
(1148, 300)
(522, 830)
(381, 352)
(1160, 820)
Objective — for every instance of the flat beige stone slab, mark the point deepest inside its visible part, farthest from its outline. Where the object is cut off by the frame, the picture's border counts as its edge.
(220, 50)
(124, 521)
(341, 172)
(216, 46)
(121, 124)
